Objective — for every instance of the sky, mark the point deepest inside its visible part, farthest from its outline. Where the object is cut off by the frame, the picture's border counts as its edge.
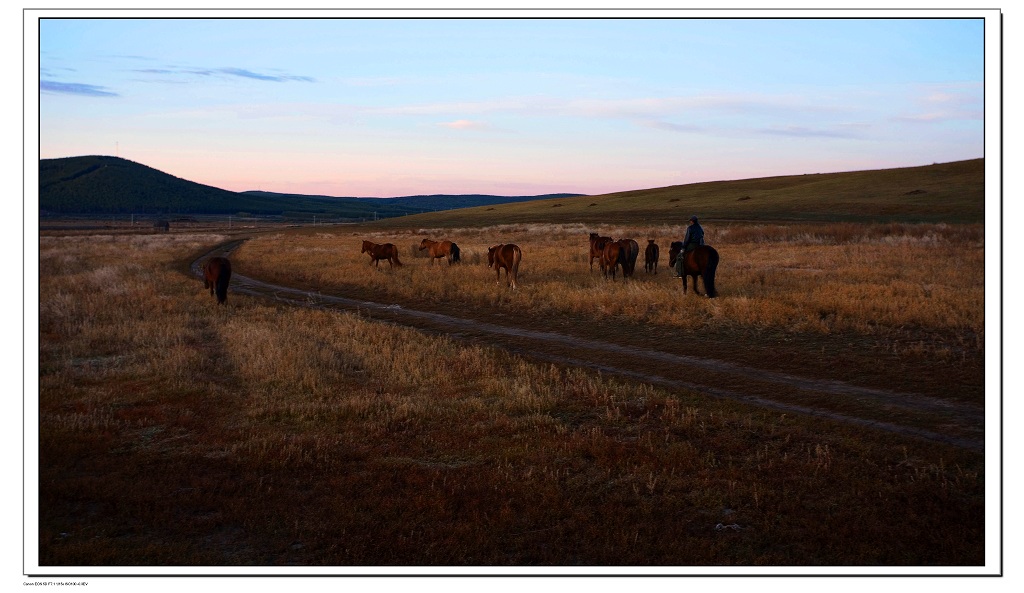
(509, 106)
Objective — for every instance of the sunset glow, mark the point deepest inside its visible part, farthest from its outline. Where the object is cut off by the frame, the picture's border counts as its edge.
(400, 106)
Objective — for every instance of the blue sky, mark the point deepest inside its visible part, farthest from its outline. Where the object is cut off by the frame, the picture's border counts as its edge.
(386, 107)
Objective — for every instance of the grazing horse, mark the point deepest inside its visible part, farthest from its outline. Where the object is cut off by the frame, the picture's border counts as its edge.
(611, 257)
(438, 249)
(378, 252)
(216, 275)
(702, 261)
(505, 256)
(651, 257)
(630, 251)
(597, 244)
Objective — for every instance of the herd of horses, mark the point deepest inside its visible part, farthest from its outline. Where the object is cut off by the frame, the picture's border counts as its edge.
(611, 255)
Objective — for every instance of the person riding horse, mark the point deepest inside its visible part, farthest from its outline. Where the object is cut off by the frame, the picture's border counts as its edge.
(694, 238)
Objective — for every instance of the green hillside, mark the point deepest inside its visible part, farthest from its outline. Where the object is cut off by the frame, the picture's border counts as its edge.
(949, 192)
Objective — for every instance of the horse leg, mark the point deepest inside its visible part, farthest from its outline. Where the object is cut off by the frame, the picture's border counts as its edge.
(697, 292)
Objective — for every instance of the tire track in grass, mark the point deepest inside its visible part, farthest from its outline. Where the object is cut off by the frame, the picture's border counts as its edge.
(536, 344)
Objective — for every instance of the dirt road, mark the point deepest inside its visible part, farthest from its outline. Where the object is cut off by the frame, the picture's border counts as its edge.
(916, 415)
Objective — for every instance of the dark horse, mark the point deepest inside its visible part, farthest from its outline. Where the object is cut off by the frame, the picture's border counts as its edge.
(673, 252)
(597, 244)
(438, 249)
(630, 251)
(378, 252)
(702, 261)
(505, 256)
(651, 257)
(216, 275)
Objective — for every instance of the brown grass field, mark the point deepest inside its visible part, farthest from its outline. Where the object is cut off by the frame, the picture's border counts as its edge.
(174, 432)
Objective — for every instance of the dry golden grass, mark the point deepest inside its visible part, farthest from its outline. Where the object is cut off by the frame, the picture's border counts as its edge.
(902, 285)
(177, 432)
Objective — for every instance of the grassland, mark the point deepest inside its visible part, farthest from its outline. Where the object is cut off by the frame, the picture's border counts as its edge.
(899, 306)
(178, 433)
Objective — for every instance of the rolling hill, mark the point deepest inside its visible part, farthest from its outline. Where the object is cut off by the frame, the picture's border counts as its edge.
(111, 185)
(948, 192)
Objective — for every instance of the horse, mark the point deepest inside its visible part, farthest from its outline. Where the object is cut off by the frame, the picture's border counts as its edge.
(597, 244)
(702, 261)
(651, 257)
(438, 249)
(630, 251)
(673, 252)
(378, 252)
(216, 275)
(506, 256)
(611, 257)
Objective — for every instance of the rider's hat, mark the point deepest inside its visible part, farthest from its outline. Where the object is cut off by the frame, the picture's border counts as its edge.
(693, 218)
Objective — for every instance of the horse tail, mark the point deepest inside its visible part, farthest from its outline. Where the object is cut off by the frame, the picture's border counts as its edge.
(222, 282)
(394, 256)
(709, 273)
(456, 257)
(517, 256)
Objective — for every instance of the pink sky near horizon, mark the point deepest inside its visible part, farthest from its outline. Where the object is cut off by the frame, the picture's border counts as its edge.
(392, 107)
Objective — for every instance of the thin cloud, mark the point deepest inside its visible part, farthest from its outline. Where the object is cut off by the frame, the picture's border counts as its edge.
(465, 124)
(942, 116)
(227, 71)
(75, 88)
(653, 108)
(671, 127)
(243, 73)
(805, 132)
(940, 103)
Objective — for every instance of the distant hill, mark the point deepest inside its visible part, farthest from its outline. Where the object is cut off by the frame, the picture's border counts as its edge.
(946, 192)
(112, 185)
(405, 205)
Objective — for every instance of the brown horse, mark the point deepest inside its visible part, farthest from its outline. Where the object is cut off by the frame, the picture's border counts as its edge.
(505, 256)
(216, 275)
(597, 244)
(651, 257)
(702, 261)
(378, 252)
(611, 257)
(438, 249)
(630, 251)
